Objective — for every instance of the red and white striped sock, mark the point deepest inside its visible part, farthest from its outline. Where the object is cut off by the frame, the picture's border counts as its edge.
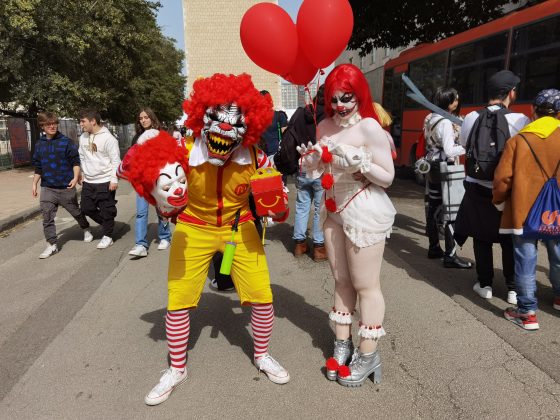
(177, 329)
(262, 319)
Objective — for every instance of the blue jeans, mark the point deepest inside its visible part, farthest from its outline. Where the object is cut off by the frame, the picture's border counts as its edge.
(308, 190)
(141, 226)
(525, 254)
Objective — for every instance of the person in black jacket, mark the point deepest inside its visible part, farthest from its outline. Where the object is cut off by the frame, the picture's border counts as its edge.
(303, 123)
(57, 165)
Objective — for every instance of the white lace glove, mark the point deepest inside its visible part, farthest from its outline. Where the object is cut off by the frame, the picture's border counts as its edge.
(348, 159)
(311, 154)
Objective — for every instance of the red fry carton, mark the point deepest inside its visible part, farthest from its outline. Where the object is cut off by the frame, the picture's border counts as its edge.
(266, 186)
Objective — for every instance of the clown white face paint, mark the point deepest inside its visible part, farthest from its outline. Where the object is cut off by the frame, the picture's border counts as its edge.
(344, 105)
(224, 128)
(170, 190)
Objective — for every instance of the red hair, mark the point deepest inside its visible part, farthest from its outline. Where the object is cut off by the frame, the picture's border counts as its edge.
(143, 162)
(221, 89)
(349, 78)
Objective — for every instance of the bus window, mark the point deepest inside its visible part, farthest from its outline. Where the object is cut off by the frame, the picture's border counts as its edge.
(535, 57)
(427, 74)
(393, 101)
(472, 64)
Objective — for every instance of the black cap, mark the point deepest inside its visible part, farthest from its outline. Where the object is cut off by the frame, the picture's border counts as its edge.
(501, 83)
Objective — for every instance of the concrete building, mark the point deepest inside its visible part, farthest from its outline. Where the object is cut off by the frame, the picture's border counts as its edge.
(213, 45)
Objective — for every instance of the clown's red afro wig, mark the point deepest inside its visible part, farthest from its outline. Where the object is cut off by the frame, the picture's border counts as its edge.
(221, 89)
(142, 164)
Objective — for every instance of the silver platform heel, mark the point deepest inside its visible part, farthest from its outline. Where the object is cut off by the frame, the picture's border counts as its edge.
(343, 349)
(361, 366)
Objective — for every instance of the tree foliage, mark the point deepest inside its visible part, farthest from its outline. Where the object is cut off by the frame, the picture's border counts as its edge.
(397, 23)
(110, 55)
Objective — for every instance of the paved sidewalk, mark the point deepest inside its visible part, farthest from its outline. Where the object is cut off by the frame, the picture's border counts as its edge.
(17, 205)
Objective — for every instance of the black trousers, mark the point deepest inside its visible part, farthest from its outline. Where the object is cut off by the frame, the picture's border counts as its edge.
(433, 216)
(99, 204)
(485, 261)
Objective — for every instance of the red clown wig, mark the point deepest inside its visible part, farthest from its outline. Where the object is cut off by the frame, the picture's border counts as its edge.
(221, 89)
(349, 79)
(142, 164)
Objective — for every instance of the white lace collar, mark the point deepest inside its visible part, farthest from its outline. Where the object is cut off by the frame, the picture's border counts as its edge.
(353, 120)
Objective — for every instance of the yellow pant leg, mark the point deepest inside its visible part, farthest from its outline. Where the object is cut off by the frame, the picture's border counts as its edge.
(249, 270)
(192, 249)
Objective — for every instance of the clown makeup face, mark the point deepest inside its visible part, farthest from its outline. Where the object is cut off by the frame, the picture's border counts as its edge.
(344, 105)
(170, 190)
(224, 128)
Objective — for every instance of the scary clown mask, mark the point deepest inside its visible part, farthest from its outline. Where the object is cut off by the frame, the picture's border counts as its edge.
(156, 167)
(227, 112)
(170, 189)
(223, 131)
(344, 105)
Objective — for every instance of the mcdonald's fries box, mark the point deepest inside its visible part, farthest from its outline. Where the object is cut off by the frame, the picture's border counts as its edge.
(266, 186)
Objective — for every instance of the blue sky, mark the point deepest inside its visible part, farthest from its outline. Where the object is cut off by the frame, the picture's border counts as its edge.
(170, 17)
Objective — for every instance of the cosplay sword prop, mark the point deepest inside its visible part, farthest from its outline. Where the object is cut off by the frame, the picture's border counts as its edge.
(415, 94)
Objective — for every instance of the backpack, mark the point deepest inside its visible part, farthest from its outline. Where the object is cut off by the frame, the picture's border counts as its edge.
(542, 220)
(286, 159)
(486, 142)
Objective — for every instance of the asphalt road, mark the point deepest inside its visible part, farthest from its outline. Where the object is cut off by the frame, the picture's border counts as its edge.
(82, 335)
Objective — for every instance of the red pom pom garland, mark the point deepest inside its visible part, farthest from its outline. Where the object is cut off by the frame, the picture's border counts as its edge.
(330, 204)
(332, 364)
(326, 156)
(343, 371)
(327, 181)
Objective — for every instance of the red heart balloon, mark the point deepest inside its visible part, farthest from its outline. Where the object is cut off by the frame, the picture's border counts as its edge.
(269, 37)
(302, 72)
(324, 28)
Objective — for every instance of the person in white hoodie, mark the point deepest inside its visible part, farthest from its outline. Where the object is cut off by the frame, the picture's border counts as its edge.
(100, 158)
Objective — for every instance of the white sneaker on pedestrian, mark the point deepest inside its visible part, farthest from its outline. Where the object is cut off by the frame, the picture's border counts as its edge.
(49, 250)
(275, 372)
(512, 297)
(483, 292)
(138, 251)
(163, 245)
(88, 237)
(105, 242)
(171, 379)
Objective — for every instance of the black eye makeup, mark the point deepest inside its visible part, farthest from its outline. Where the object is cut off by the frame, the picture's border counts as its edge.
(346, 98)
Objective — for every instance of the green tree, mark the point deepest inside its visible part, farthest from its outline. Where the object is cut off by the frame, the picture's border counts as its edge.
(64, 55)
(393, 24)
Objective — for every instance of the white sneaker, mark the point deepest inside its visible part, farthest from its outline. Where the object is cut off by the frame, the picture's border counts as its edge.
(275, 372)
(88, 237)
(163, 244)
(105, 242)
(512, 297)
(270, 222)
(483, 292)
(138, 251)
(49, 250)
(214, 285)
(171, 379)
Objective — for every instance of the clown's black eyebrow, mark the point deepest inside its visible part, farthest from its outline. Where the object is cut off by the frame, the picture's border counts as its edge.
(177, 170)
(164, 175)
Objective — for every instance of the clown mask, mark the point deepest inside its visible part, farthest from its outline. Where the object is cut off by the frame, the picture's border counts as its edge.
(344, 105)
(224, 128)
(170, 190)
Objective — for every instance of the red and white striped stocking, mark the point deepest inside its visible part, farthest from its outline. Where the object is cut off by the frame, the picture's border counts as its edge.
(177, 329)
(262, 319)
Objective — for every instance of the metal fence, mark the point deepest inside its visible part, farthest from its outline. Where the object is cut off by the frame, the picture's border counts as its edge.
(16, 137)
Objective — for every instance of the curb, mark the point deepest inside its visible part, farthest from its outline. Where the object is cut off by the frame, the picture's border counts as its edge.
(23, 216)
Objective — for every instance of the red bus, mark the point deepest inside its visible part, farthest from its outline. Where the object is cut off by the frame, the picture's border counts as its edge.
(526, 42)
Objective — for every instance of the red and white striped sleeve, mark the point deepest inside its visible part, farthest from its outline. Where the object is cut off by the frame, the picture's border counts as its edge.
(262, 160)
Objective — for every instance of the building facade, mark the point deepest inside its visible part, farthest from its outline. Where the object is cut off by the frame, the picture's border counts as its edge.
(213, 44)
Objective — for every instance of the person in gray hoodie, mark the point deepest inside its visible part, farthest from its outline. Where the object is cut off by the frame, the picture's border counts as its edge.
(100, 158)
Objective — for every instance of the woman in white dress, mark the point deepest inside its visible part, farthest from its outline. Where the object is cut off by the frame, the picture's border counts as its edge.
(353, 157)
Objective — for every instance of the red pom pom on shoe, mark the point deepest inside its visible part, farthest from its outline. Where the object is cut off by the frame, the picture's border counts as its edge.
(326, 156)
(330, 204)
(343, 371)
(327, 181)
(332, 364)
